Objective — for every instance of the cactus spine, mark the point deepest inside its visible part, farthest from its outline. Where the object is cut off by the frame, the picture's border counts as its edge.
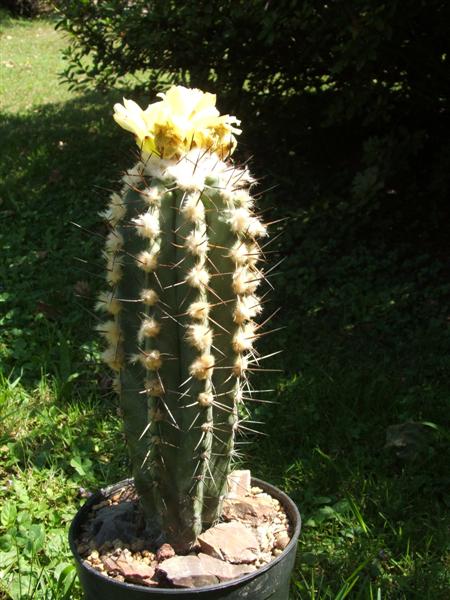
(182, 269)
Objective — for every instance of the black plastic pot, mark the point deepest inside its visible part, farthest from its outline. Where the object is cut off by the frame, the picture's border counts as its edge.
(270, 581)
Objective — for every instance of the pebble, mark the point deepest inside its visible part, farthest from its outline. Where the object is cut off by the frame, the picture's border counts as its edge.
(281, 540)
(164, 552)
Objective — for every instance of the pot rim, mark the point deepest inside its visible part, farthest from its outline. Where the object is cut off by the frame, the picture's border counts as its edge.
(294, 516)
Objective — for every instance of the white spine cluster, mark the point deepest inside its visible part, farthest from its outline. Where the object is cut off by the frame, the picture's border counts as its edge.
(114, 264)
(246, 277)
(147, 224)
(192, 208)
(198, 277)
(152, 361)
(147, 261)
(152, 195)
(202, 367)
(113, 357)
(187, 177)
(115, 211)
(154, 388)
(133, 178)
(110, 330)
(149, 297)
(198, 333)
(199, 311)
(149, 328)
(196, 243)
(114, 242)
(107, 302)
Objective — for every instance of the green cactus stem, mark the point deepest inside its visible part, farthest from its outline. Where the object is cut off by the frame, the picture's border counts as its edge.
(182, 271)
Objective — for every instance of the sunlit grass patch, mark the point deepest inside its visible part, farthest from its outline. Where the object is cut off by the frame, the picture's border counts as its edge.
(29, 64)
(51, 451)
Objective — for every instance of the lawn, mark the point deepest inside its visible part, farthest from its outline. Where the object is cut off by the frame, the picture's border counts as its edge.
(359, 432)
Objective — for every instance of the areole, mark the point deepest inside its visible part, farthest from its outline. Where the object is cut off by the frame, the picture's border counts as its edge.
(269, 582)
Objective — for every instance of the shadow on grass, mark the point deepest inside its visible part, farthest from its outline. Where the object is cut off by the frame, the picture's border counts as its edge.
(57, 164)
(359, 435)
(369, 496)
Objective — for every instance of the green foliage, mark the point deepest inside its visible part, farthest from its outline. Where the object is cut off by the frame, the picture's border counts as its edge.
(27, 46)
(359, 92)
(270, 49)
(23, 8)
(48, 448)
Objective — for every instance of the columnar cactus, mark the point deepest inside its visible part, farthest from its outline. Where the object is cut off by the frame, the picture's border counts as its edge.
(182, 269)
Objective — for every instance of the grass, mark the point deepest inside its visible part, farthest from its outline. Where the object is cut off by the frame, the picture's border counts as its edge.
(30, 63)
(358, 436)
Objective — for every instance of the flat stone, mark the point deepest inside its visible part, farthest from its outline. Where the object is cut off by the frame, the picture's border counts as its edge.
(109, 564)
(200, 570)
(147, 582)
(254, 511)
(132, 569)
(224, 571)
(239, 483)
(230, 541)
(186, 571)
(282, 539)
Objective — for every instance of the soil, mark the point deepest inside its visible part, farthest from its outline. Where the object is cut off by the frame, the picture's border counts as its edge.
(253, 531)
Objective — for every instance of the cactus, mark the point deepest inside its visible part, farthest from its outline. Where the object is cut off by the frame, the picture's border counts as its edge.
(182, 271)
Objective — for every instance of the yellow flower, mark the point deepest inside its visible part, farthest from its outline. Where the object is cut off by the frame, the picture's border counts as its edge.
(183, 119)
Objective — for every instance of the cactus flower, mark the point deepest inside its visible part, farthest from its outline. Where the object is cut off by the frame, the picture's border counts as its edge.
(184, 119)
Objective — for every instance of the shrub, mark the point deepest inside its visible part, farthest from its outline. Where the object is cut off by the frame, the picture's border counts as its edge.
(23, 8)
(352, 99)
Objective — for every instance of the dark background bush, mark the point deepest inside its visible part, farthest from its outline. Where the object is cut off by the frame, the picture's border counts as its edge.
(349, 100)
(24, 8)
